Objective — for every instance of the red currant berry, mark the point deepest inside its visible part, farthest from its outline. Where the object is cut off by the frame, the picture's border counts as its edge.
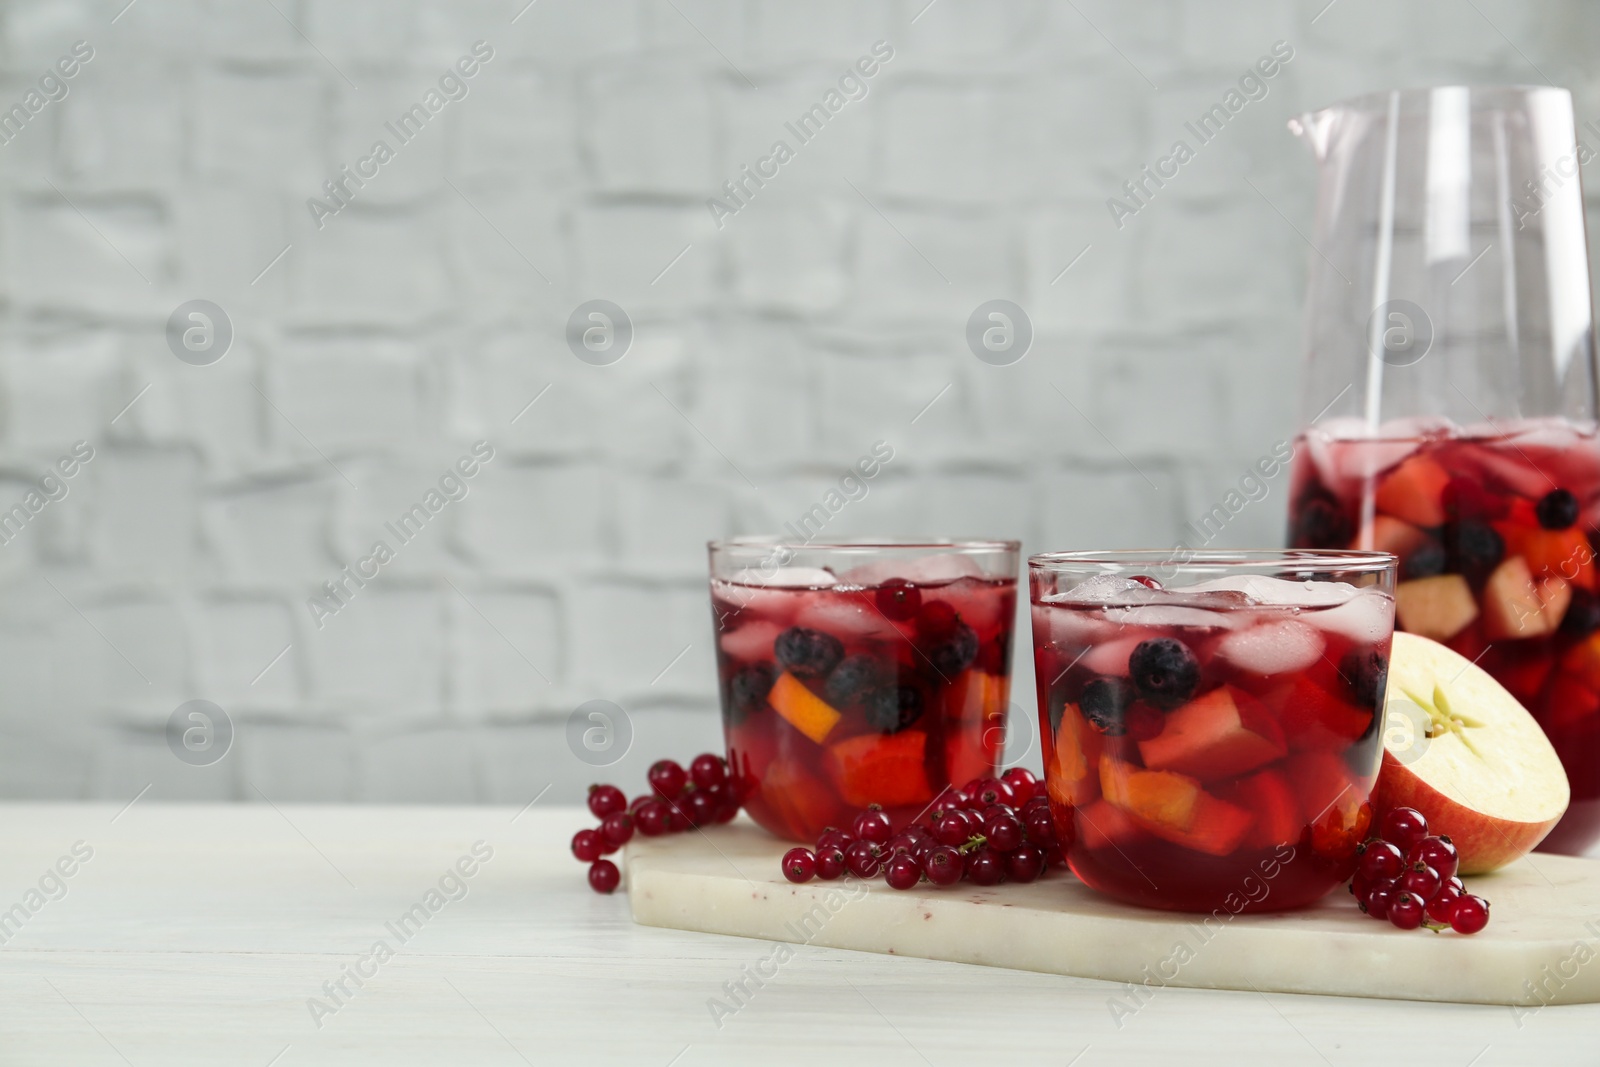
(873, 825)
(839, 839)
(728, 811)
(708, 770)
(952, 828)
(898, 599)
(1003, 831)
(1406, 910)
(992, 791)
(1457, 884)
(1442, 904)
(1380, 859)
(651, 818)
(862, 859)
(1024, 863)
(641, 800)
(953, 800)
(604, 876)
(901, 844)
(1421, 880)
(588, 845)
(985, 867)
(667, 778)
(702, 807)
(617, 828)
(1378, 901)
(1024, 786)
(605, 799)
(830, 863)
(1436, 852)
(1403, 828)
(943, 865)
(1055, 856)
(799, 865)
(902, 872)
(1041, 827)
(1470, 914)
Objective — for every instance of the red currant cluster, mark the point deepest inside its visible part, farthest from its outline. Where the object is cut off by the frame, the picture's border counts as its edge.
(989, 831)
(678, 800)
(1408, 877)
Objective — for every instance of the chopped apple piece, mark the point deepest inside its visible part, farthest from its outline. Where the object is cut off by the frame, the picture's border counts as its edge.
(804, 710)
(1219, 734)
(1516, 606)
(1153, 797)
(1389, 534)
(1276, 810)
(1439, 607)
(1104, 825)
(1414, 491)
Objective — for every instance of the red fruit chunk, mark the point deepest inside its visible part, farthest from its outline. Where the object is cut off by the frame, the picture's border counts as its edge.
(1217, 735)
(1313, 717)
(1414, 491)
(1174, 808)
(873, 769)
(1268, 797)
(799, 800)
(1330, 802)
(1104, 825)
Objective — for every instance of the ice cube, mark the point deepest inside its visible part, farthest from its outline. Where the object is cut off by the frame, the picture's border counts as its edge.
(1165, 616)
(847, 616)
(788, 577)
(1280, 646)
(1104, 589)
(1111, 657)
(1365, 618)
(1282, 592)
(922, 570)
(752, 641)
(1068, 628)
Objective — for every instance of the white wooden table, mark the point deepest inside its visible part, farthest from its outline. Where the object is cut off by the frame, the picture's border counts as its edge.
(199, 933)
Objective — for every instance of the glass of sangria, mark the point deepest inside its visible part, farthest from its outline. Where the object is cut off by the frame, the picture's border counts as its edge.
(1450, 390)
(1212, 721)
(860, 673)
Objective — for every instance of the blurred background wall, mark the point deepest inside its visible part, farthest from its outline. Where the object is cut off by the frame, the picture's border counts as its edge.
(377, 337)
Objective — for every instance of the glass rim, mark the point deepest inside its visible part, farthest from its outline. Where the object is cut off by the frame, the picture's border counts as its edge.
(1331, 559)
(867, 544)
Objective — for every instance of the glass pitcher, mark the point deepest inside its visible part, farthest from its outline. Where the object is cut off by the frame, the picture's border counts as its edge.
(1450, 392)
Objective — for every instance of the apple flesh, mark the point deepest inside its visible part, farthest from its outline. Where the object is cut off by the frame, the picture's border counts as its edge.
(1479, 769)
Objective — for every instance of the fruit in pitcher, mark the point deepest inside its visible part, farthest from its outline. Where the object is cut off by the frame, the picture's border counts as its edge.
(1483, 773)
(803, 709)
(1439, 607)
(1414, 491)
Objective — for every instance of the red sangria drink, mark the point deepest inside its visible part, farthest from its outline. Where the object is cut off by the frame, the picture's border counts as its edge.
(1495, 529)
(858, 674)
(1213, 724)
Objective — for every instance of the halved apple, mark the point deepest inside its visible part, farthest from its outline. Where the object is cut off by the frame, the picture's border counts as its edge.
(1438, 607)
(1478, 766)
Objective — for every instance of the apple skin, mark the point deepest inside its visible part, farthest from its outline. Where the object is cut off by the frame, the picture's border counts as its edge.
(1483, 843)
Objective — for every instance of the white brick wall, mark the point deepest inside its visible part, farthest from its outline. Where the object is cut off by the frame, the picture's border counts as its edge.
(825, 315)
